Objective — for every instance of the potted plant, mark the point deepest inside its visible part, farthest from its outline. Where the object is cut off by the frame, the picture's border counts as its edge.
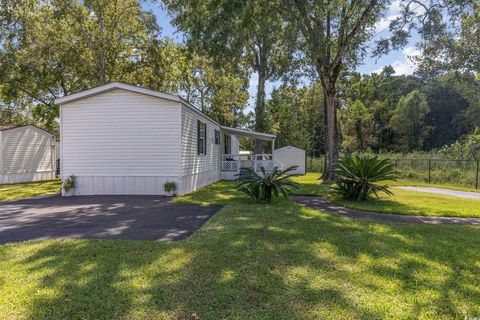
(68, 186)
(170, 188)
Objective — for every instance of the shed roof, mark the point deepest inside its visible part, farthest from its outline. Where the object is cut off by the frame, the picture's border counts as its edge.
(290, 148)
(4, 127)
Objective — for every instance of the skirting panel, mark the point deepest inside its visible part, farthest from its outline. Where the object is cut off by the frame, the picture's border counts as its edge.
(196, 181)
(122, 185)
(230, 175)
(6, 178)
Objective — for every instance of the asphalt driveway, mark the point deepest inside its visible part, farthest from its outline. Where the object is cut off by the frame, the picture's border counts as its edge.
(100, 217)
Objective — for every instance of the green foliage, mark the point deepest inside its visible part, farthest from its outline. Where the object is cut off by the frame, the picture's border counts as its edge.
(170, 186)
(408, 121)
(245, 34)
(69, 183)
(357, 124)
(467, 147)
(358, 176)
(53, 48)
(262, 187)
(217, 91)
(292, 115)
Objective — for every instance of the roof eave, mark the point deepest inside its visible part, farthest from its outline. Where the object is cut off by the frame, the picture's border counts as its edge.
(114, 86)
(252, 134)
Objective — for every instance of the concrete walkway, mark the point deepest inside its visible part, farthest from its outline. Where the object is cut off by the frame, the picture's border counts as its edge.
(447, 192)
(321, 203)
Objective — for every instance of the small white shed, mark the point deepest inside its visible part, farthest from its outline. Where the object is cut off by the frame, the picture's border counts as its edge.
(27, 153)
(290, 156)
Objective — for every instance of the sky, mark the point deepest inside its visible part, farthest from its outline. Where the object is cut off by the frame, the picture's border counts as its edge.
(398, 59)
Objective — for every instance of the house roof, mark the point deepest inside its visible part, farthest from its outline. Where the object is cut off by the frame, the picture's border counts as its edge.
(117, 85)
(250, 134)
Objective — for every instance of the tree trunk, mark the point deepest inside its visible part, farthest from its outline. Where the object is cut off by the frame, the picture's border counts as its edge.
(331, 132)
(260, 109)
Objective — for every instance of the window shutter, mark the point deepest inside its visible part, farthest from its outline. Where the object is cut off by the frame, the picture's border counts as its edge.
(205, 138)
(198, 136)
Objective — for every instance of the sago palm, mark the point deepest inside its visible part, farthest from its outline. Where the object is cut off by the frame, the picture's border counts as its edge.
(358, 176)
(262, 187)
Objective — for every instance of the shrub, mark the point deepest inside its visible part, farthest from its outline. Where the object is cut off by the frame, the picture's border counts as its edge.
(359, 175)
(170, 186)
(69, 183)
(261, 188)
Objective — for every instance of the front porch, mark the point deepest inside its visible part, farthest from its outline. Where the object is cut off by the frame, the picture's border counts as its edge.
(231, 163)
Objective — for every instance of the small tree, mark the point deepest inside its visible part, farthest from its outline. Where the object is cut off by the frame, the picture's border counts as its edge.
(262, 188)
(408, 121)
(357, 127)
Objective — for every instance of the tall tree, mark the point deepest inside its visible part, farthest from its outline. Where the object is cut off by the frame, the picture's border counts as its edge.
(53, 48)
(408, 121)
(218, 92)
(243, 33)
(334, 33)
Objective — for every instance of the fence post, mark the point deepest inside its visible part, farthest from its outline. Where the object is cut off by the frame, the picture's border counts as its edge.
(429, 170)
(476, 179)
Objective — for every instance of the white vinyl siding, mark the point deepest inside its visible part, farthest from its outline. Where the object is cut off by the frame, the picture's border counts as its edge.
(193, 163)
(26, 150)
(121, 133)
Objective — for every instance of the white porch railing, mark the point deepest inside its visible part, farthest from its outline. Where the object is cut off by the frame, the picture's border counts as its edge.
(233, 162)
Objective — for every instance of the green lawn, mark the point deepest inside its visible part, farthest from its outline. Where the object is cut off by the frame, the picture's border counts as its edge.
(30, 189)
(401, 202)
(418, 203)
(250, 261)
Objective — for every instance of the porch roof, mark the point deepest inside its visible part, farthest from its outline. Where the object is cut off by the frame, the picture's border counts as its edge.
(250, 134)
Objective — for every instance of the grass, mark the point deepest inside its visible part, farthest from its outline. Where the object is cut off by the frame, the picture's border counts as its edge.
(418, 203)
(251, 261)
(29, 189)
(401, 202)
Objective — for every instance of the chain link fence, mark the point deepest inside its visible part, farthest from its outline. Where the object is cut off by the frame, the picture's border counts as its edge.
(463, 173)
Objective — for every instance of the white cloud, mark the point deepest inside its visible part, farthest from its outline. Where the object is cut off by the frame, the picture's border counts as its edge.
(392, 13)
(395, 7)
(383, 24)
(403, 66)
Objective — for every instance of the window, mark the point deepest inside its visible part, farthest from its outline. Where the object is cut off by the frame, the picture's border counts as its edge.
(217, 137)
(228, 144)
(201, 138)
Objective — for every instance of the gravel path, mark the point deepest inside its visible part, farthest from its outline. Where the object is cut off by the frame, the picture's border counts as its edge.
(321, 203)
(447, 192)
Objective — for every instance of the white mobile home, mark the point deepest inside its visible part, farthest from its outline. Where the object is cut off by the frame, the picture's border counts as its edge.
(122, 139)
(27, 153)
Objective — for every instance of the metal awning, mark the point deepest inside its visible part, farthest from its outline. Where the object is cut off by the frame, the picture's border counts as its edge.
(250, 134)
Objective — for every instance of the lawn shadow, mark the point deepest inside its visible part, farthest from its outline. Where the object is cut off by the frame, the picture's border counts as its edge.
(264, 261)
